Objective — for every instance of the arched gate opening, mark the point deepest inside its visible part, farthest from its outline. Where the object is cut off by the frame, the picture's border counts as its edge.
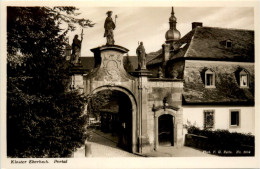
(116, 117)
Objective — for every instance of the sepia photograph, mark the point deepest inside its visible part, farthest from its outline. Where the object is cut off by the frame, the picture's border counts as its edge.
(128, 81)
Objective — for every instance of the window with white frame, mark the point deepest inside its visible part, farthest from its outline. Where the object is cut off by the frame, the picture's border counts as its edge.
(209, 78)
(209, 119)
(234, 118)
(244, 78)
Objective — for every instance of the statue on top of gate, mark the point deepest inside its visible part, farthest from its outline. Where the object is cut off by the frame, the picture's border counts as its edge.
(140, 51)
(109, 27)
(76, 48)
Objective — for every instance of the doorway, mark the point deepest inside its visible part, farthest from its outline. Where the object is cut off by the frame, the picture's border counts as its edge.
(165, 130)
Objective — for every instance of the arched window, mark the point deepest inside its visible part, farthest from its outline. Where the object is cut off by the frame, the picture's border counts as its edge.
(209, 78)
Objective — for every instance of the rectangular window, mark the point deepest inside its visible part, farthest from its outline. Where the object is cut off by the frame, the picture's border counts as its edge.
(229, 44)
(243, 80)
(208, 118)
(234, 117)
(209, 79)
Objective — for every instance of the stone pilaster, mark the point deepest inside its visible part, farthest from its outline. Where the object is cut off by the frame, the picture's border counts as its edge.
(179, 127)
(143, 139)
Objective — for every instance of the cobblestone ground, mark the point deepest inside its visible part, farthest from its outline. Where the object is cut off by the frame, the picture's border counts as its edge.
(103, 145)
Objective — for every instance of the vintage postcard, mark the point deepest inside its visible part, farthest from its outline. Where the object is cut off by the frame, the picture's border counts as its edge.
(125, 84)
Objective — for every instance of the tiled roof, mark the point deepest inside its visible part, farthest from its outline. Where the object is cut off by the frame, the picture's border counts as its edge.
(227, 89)
(87, 62)
(210, 44)
(155, 57)
(156, 60)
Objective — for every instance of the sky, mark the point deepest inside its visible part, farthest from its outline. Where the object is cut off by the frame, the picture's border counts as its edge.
(149, 24)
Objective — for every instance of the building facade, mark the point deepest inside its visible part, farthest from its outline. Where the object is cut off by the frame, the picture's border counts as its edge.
(205, 78)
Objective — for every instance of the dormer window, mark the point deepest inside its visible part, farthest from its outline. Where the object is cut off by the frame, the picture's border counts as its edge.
(209, 78)
(228, 43)
(244, 78)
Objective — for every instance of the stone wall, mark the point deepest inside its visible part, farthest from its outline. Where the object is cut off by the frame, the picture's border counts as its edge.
(172, 91)
(169, 88)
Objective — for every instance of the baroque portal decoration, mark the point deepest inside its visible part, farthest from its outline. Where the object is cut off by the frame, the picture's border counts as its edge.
(111, 67)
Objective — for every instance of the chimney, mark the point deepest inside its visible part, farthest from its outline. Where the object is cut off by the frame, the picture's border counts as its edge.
(196, 24)
(166, 52)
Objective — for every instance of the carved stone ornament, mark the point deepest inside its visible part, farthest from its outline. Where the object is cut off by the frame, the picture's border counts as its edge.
(111, 67)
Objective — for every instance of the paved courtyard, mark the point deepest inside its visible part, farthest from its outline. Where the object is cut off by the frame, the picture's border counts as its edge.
(105, 145)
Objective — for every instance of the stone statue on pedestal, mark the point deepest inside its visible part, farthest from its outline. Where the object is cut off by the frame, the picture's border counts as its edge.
(109, 27)
(76, 47)
(140, 51)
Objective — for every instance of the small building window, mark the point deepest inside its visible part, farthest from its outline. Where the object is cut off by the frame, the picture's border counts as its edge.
(234, 118)
(209, 78)
(244, 78)
(229, 43)
(208, 119)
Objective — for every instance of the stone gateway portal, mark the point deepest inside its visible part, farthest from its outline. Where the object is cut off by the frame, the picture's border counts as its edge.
(139, 102)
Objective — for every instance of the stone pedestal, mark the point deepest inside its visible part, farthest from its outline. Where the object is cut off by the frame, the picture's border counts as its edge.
(77, 72)
(106, 56)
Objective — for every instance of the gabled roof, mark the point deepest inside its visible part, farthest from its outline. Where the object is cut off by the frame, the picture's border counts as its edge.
(208, 43)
